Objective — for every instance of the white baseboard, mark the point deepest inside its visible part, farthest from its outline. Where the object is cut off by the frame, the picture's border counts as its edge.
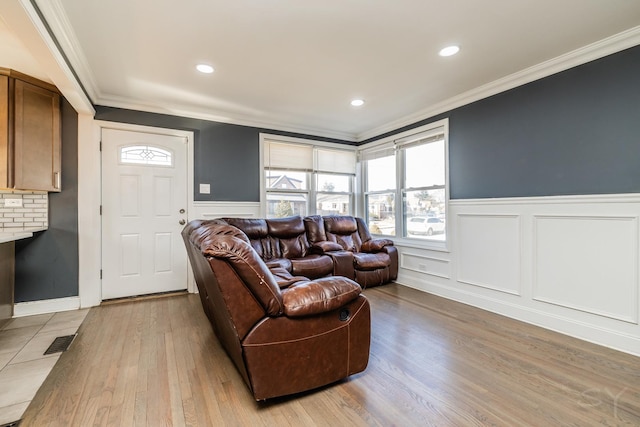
(31, 308)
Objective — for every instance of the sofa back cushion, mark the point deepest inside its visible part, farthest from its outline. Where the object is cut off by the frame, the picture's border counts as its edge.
(343, 230)
(257, 233)
(314, 225)
(363, 230)
(289, 239)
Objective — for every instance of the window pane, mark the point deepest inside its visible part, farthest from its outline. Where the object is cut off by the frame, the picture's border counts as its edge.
(425, 214)
(330, 183)
(382, 213)
(288, 180)
(280, 205)
(381, 173)
(333, 204)
(425, 165)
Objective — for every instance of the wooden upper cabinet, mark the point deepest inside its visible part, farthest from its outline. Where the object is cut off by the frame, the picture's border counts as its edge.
(30, 133)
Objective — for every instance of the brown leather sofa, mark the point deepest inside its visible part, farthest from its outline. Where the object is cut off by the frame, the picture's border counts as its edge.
(372, 261)
(285, 334)
(282, 242)
(317, 246)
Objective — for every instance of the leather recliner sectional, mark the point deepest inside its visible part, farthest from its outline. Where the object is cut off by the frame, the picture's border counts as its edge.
(285, 334)
(317, 246)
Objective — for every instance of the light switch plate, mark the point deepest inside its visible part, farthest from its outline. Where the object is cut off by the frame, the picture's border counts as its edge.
(205, 188)
(13, 203)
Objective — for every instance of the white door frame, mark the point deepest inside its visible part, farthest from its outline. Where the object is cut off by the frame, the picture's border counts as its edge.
(143, 205)
(89, 200)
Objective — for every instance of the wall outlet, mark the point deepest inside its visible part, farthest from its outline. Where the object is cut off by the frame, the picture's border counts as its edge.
(205, 188)
(13, 203)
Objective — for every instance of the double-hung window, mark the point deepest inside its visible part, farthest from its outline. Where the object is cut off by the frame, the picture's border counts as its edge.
(301, 178)
(405, 184)
(423, 187)
(380, 189)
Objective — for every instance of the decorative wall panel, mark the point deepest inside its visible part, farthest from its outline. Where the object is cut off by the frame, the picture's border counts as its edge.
(489, 253)
(434, 266)
(588, 263)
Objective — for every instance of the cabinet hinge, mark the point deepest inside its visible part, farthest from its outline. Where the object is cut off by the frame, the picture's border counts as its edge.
(100, 274)
(100, 145)
(100, 209)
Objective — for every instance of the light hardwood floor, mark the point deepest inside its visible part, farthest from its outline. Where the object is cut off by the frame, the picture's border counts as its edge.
(433, 362)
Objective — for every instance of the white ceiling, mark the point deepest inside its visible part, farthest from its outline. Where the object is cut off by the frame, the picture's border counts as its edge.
(295, 65)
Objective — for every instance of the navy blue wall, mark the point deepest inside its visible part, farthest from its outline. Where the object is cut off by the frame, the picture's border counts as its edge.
(47, 264)
(226, 155)
(576, 132)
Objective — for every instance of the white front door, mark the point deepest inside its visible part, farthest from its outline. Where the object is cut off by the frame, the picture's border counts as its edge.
(144, 207)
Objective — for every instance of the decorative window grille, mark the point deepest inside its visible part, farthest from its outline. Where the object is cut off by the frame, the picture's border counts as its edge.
(145, 155)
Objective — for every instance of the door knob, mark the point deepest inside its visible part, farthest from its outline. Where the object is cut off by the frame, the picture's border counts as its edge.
(182, 222)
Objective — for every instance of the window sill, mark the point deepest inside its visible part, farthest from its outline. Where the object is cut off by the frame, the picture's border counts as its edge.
(425, 244)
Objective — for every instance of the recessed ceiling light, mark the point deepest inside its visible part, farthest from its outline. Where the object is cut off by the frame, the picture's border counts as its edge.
(204, 68)
(357, 102)
(449, 50)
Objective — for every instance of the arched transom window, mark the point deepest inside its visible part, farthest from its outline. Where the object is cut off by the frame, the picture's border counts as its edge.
(146, 155)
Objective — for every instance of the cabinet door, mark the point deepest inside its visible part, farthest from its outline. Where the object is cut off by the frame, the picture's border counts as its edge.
(5, 148)
(36, 138)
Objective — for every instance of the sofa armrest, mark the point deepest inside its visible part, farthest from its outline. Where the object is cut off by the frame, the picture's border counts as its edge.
(342, 264)
(375, 245)
(319, 296)
(325, 246)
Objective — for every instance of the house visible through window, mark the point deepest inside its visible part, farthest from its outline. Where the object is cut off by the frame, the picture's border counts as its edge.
(306, 179)
(409, 168)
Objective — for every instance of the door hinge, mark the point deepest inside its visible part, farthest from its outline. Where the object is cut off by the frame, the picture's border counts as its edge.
(100, 145)
(100, 209)
(100, 274)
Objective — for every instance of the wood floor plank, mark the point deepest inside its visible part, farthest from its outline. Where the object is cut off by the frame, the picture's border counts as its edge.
(433, 362)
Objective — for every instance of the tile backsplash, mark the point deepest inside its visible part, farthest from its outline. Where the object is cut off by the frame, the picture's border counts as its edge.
(34, 211)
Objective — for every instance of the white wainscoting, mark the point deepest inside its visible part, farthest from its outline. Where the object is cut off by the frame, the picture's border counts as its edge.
(567, 263)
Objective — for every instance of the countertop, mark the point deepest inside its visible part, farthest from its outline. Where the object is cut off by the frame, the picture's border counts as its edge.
(13, 235)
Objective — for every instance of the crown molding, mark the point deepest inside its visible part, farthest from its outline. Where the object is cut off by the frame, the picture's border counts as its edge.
(25, 22)
(222, 117)
(57, 20)
(599, 49)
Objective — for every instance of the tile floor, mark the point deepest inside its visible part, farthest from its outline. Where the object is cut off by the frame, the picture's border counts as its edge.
(23, 367)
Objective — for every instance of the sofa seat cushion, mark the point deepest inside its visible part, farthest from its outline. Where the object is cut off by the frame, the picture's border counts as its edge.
(279, 263)
(366, 261)
(312, 266)
(319, 296)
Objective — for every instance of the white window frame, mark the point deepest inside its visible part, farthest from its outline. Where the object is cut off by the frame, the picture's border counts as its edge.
(311, 190)
(385, 144)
